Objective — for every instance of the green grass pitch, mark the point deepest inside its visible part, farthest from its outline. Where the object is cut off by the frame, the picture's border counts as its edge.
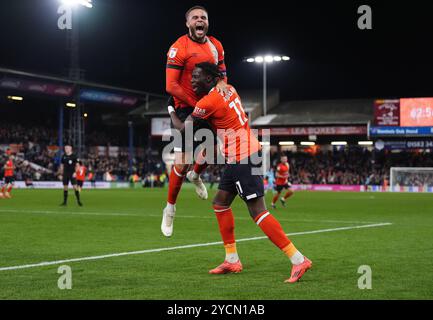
(34, 229)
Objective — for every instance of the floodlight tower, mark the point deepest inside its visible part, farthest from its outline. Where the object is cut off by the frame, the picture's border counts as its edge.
(266, 60)
(76, 120)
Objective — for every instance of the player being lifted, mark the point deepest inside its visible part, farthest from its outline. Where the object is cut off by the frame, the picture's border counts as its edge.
(9, 168)
(67, 170)
(183, 55)
(226, 114)
(282, 182)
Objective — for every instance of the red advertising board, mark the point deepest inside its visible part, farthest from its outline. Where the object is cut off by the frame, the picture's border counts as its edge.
(319, 131)
(387, 113)
(416, 112)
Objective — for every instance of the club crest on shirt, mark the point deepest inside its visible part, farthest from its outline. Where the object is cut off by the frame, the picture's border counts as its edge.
(172, 53)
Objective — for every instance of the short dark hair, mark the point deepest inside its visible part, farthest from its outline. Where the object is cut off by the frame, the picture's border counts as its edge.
(194, 8)
(210, 69)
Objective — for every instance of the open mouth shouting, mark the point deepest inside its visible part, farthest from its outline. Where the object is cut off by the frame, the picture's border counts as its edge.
(200, 30)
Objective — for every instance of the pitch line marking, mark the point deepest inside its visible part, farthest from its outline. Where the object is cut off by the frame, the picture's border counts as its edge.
(130, 214)
(49, 263)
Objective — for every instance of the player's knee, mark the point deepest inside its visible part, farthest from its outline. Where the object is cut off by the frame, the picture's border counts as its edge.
(220, 204)
(181, 168)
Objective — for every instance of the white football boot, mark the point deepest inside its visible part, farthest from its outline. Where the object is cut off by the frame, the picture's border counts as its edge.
(167, 220)
(200, 188)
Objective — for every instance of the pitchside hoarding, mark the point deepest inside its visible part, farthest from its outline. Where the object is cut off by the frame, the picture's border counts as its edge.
(59, 185)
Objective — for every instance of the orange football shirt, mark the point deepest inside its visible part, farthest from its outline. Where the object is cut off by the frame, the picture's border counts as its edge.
(81, 173)
(184, 54)
(9, 172)
(283, 170)
(227, 117)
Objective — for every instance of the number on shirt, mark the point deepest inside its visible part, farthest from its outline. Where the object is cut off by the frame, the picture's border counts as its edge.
(240, 111)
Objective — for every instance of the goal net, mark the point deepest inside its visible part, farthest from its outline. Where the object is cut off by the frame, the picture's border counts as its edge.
(411, 179)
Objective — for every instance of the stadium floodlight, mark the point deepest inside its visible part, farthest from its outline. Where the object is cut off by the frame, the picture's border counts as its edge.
(307, 143)
(71, 105)
(269, 59)
(258, 59)
(365, 143)
(85, 115)
(339, 143)
(15, 98)
(265, 60)
(286, 143)
(73, 3)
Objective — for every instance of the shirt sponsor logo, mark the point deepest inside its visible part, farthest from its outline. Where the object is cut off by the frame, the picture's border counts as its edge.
(199, 111)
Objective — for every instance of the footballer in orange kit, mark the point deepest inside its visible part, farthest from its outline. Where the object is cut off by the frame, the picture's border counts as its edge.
(183, 55)
(9, 169)
(240, 147)
(282, 182)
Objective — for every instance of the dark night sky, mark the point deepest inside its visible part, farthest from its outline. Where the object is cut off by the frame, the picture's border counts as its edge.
(124, 43)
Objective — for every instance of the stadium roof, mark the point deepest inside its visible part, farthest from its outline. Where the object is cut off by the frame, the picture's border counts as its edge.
(319, 112)
(251, 101)
(39, 81)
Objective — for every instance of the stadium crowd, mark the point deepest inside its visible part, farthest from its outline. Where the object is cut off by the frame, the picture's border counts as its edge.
(353, 166)
(350, 166)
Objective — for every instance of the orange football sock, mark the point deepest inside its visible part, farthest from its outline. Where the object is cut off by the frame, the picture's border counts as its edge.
(226, 223)
(200, 163)
(275, 198)
(272, 228)
(174, 184)
(288, 194)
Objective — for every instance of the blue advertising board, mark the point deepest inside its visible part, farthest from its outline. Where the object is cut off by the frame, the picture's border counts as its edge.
(401, 131)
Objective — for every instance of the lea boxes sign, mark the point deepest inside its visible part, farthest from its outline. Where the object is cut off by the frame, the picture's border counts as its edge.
(387, 112)
(319, 131)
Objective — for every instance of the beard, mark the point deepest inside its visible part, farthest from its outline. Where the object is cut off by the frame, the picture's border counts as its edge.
(199, 34)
